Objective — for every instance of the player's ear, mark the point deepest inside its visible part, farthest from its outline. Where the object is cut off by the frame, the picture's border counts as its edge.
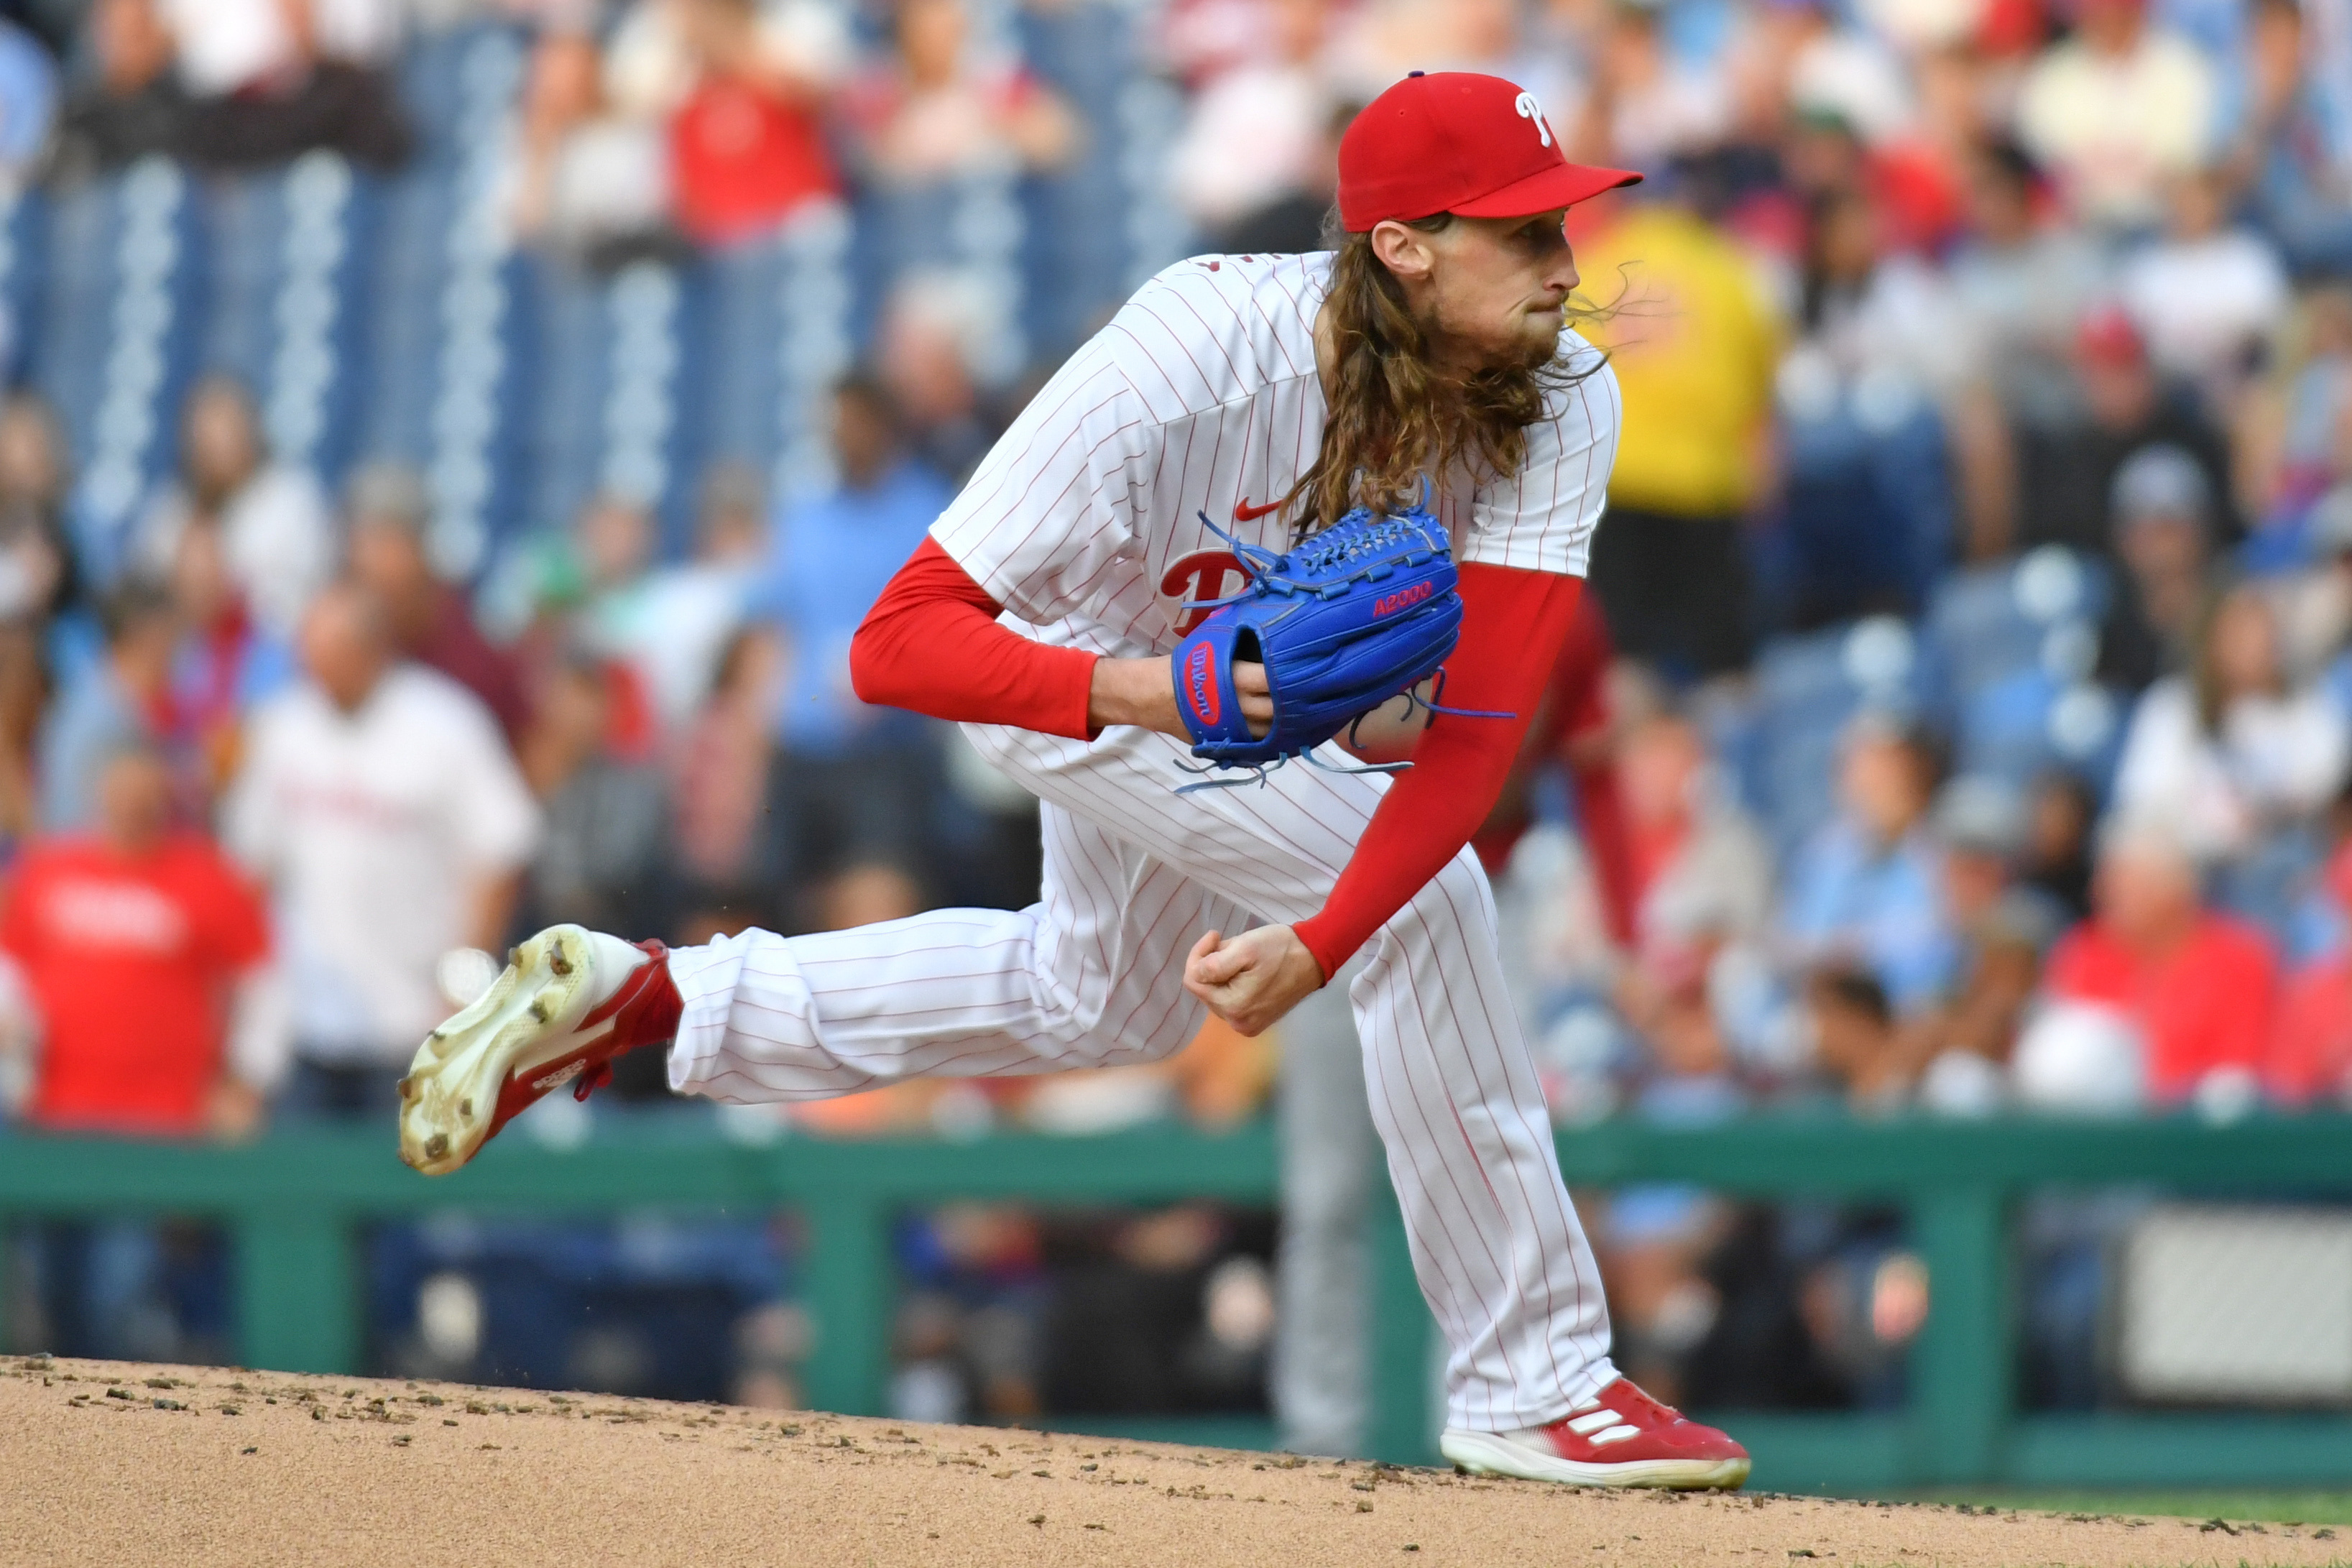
(1406, 252)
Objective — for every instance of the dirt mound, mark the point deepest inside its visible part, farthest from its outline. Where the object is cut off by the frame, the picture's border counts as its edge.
(125, 1465)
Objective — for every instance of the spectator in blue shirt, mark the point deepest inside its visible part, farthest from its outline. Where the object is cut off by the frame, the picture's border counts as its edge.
(854, 787)
(1868, 888)
(114, 700)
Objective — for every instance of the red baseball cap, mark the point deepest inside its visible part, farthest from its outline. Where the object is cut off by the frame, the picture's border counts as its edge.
(1456, 141)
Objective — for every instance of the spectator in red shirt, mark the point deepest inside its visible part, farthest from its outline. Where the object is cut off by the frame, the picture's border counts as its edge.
(747, 148)
(2311, 1048)
(2200, 987)
(136, 948)
(135, 957)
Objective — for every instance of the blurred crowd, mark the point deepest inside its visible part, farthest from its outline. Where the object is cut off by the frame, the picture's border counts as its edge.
(1964, 720)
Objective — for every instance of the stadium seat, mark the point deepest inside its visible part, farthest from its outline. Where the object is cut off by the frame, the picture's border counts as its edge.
(285, 297)
(119, 306)
(1808, 689)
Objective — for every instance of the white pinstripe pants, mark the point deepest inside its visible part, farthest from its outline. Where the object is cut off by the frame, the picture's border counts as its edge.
(1091, 975)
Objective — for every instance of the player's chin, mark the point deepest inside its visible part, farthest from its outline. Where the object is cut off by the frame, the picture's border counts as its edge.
(1537, 339)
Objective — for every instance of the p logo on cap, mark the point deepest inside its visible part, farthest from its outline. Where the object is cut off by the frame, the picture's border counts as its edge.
(1530, 110)
(1457, 142)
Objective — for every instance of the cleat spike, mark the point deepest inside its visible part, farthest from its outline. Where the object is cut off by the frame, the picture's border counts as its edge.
(406, 1088)
(540, 1010)
(436, 1145)
(514, 957)
(558, 963)
(466, 1109)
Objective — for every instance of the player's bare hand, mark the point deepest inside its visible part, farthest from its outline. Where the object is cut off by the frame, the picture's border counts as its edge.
(1142, 691)
(1254, 979)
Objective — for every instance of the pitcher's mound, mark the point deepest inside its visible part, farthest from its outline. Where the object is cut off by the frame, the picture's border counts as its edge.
(130, 1466)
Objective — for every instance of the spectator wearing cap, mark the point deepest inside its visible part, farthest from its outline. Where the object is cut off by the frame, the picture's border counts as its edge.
(2066, 475)
(431, 625)
(1866, 890)
(123, 696)
(380, 805)
(1960, 1047)
(2116, 109)
(2233, 751)
(2163, 511)
(2198, 987)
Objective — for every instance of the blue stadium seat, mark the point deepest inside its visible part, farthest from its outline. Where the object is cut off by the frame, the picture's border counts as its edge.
(286, 298)
(1991, 622)
(2017, 643)
(773, 334)
(444, 330)
(24, 260)
(1867, 515)
(1080, 259)
(1808, 689)
(120, 306)
(608, 370)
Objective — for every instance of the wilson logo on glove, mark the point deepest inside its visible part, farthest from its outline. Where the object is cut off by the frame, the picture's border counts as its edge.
(1355, 615)
(1201, 684)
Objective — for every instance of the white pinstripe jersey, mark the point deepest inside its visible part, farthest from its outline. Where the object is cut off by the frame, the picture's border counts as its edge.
(1201, 395)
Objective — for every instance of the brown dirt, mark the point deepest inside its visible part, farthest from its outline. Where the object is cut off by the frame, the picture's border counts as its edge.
(127, 1465)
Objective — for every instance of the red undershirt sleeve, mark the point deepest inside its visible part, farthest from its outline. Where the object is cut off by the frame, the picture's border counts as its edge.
(1512, 626)
(931, 644)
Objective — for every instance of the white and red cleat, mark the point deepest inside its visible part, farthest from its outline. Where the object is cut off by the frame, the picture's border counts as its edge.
(569, 1001)
(1619, 1437)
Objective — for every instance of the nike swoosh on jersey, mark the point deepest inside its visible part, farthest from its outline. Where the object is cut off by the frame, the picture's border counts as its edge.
(1244, 512)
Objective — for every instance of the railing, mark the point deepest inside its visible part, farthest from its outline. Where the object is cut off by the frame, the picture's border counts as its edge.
(294, 1203)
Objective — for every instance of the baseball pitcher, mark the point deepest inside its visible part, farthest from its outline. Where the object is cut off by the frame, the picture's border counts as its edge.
(1272, 491)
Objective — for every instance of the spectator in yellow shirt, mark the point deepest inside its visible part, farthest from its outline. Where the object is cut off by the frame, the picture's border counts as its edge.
(1694, 342)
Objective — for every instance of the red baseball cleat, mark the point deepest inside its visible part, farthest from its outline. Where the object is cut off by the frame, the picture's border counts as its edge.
(569, 1001)
(1619, 1437)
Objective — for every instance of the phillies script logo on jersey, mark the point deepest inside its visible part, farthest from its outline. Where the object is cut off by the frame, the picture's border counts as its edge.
(1203, 574)
(1390, 603)
(1201, 684)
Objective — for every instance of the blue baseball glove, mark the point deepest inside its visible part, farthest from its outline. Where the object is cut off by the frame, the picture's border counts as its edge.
(1357, 614)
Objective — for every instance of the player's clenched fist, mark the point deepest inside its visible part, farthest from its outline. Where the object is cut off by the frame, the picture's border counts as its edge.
(1253, 980)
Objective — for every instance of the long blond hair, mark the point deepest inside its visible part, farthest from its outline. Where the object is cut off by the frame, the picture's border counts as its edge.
(1395, 415)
